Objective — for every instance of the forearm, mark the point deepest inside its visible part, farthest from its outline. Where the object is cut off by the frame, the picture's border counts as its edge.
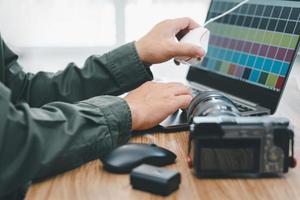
(113, 73)
(37, 143)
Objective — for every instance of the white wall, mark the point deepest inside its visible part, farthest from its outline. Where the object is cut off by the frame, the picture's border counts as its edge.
(47, 34)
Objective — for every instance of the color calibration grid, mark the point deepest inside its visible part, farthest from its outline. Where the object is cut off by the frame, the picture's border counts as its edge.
(255, 43)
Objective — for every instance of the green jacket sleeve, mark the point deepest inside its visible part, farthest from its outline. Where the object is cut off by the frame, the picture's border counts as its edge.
(40, 142)
(113, 73)
(40, 137)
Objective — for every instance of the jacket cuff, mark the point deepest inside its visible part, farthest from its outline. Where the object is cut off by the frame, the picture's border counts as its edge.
(118, 117)
(127, 67)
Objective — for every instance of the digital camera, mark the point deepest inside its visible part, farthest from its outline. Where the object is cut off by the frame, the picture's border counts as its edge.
(224, 144)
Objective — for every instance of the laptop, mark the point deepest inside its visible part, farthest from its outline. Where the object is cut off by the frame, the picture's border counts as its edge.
(250, 55)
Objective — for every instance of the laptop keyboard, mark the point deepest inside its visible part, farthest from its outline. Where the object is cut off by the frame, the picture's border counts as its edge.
(240, 107)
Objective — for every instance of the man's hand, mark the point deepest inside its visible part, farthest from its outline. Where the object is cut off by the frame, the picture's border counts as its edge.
(161, 43)
(152, 102)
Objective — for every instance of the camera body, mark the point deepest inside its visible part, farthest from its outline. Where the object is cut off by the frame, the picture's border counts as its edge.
(240, 146)
(222, 143)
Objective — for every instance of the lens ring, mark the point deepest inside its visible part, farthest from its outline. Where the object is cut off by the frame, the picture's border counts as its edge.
(211, 103)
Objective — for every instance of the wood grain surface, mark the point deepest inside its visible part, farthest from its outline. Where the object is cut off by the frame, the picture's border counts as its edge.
(92, 182)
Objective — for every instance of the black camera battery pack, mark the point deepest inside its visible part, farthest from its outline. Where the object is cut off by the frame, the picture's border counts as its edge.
(153, 179)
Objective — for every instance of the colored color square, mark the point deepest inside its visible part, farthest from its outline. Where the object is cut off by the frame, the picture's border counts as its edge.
(267, 65)
(204, 62)
(246, 73)
(254, 75)
(280, 25)
(233, 44)
(213, 40)
(276, 67)
(225, 43)
(250, 61)
(228, 55)
(284, 69)
(244, 9)
(268, 38)
(218, 65)
(295, 13)
(243, 59)
(263, 50)
(285, 13)
(226, 19)
(216, 52)
(280, 82)
(297, 29)
(219, 54)
(271, 80)
(272, 25)
(251, 37)
(285, 41)
(210, 51)
(235, 34)
(239, 71)
(289, 55)
(247, 47)
(259, 37)
(272, 52)
(240, 20)
(226, 31)
(251, 9)
(259, 62)
(255, 22)
(224, 67)
(263, 23)
(222, 54)
(268, 10)
(255, 48)
(219, 41)
(276, 39)
(236, 57)
(231, 69)
(290, 27)
(239, 46)
(281, 54)
(276, 11)
(293, 41)
(263, 77)
(232, 19)
(247, 21)
(259, 10)
(211, 64)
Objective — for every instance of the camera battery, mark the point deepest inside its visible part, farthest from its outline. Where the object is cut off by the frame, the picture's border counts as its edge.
(153, 179)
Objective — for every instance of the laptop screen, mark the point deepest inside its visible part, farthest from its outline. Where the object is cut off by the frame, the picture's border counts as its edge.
(255, 44)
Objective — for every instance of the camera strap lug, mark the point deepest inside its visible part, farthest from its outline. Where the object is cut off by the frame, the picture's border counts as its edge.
(293, 161)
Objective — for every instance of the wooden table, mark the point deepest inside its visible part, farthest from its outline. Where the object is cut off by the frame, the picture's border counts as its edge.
(92, 182)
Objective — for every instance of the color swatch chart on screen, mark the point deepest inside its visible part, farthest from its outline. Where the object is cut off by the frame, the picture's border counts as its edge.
(255, 43)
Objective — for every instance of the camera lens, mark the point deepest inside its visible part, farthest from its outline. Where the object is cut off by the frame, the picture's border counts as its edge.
(211, 103)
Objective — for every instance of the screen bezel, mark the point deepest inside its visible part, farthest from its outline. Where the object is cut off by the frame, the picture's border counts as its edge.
(259, 95)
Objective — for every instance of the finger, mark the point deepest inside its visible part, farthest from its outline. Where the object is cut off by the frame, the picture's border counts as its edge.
(187, 49)
(183, 101)
(185, 23)
(181, 90)
(181, 33)
(174, 84)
